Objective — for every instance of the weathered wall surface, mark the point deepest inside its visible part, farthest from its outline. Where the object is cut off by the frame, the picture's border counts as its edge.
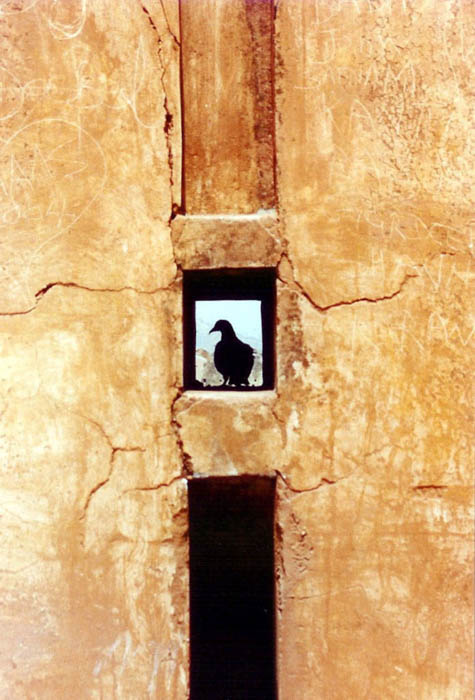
(375, 163)
(93, 549)
(370, 426)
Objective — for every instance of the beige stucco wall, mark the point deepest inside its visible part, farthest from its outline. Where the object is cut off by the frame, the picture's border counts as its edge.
(370, 426)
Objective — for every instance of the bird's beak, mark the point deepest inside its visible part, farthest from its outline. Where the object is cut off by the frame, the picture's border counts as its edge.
(213, 329)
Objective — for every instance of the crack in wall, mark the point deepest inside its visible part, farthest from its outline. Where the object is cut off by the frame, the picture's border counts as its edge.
(281, 423)
(75, 285)
(350, 302)
(126, 288)
(311, 596)
(168, 126)
(101, 484)
(172, 34)
(283, 257)
(114, 449)
(434, 488)
(324, 481)
(168, 123)
(186, 459)
(158, 487)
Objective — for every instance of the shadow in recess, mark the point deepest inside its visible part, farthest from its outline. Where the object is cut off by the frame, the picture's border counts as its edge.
(231, 523)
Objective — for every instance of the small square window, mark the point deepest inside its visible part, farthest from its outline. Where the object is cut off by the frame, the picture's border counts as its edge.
(228, 329)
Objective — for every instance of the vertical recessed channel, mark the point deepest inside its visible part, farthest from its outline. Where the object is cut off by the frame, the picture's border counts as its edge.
(232, 619)
(227, 105)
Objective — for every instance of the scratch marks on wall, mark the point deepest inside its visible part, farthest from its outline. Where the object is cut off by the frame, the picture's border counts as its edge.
(122, 644)
(42, 188)
(69, 114)
(67, 19)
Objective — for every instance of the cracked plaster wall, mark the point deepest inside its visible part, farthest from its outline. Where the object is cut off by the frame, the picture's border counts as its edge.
(369, 429)
(93, 548)
(375, 157)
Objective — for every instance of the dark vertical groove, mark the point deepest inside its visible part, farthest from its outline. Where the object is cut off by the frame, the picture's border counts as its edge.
(232, 588)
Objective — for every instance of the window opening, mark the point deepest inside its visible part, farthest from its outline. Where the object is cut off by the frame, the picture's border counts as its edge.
(228, 323)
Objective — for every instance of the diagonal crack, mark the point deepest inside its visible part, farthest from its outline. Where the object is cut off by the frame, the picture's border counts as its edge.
(97, 487)
(368, 300)
(157, 487)
(323, 482)
(19, 313)
(94, 490)
(114, 449)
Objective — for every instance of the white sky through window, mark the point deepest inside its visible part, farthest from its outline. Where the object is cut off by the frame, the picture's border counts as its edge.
(243, 314)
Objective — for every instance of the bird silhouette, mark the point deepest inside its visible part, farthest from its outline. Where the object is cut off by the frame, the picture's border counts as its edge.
(232, 358)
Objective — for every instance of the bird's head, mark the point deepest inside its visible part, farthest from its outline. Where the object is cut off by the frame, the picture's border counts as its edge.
(224, 326)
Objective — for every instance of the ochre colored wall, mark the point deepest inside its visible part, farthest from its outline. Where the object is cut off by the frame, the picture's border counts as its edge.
(376, 162)
(93, 552)
(369, 429)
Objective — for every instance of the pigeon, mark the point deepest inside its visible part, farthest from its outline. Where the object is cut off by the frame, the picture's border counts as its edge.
(232, 358)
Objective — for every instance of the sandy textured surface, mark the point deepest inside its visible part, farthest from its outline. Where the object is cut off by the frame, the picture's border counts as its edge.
(370, 427)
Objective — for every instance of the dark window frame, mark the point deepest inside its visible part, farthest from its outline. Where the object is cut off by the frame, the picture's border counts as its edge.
(234, 284)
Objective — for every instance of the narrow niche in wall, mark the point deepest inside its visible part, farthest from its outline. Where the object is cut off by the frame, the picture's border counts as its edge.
(228, 329)
(232, 620)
